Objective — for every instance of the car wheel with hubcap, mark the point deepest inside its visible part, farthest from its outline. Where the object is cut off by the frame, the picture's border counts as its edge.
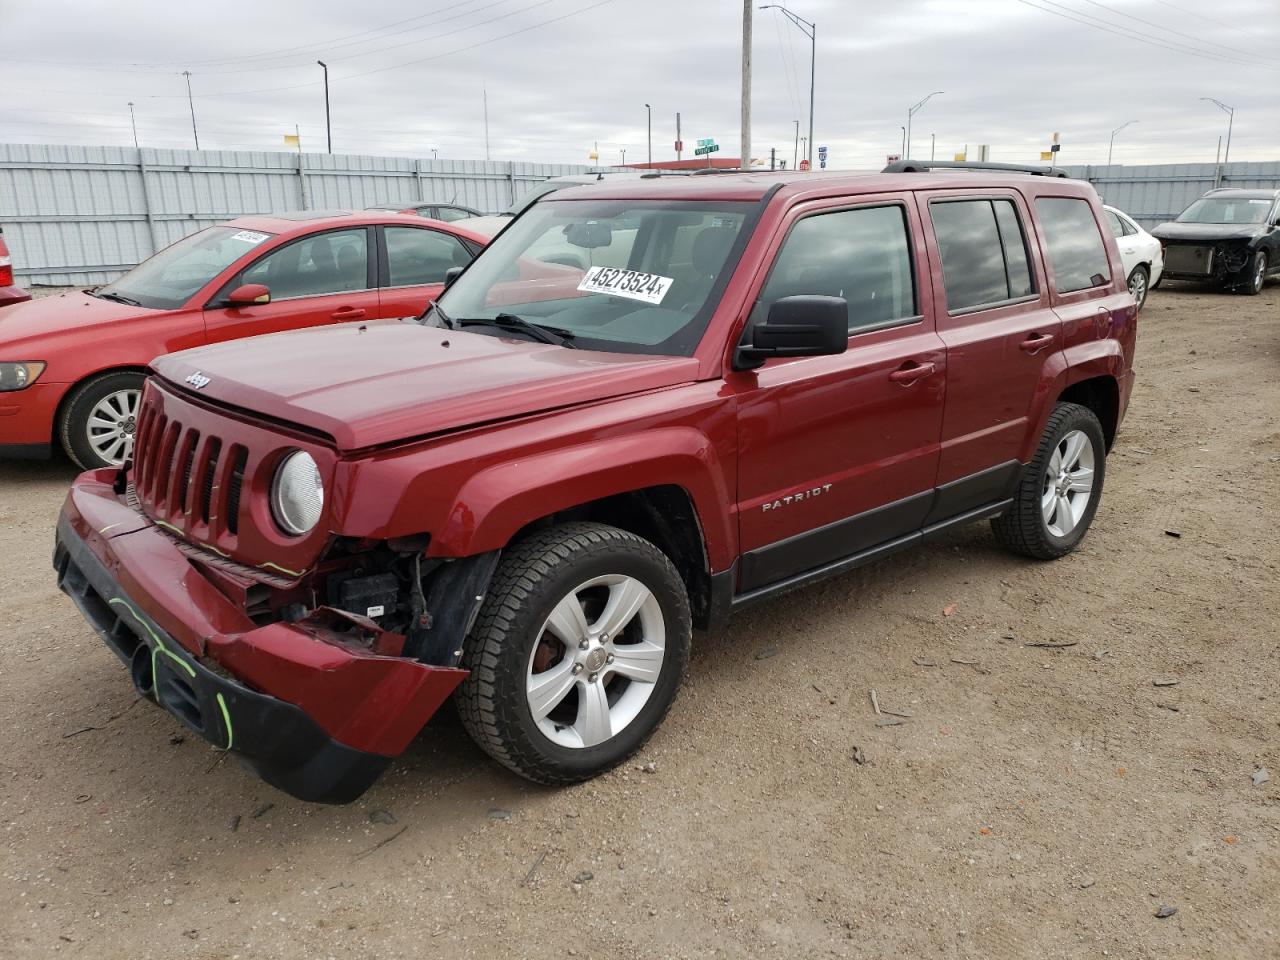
(99, 419)
(1060, 488)
(579, 649)
(1139, 284)
(1256, 278)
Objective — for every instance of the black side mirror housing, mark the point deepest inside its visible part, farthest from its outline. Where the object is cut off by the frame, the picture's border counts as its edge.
(804, 326)
(452, 274)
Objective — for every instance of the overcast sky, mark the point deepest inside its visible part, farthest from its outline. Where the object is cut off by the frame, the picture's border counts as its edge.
(406, 76)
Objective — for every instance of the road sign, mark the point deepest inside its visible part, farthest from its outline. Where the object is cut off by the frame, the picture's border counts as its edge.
(708, 147)
(1056, 147)
(961, 157)
(804, 164)
(822, 150)
(892, 157)
(1046, 154)
(679, 146)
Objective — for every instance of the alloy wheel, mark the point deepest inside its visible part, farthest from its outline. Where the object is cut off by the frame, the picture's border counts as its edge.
(1068, 483)
(596, 661)
(1138, 287)
(111, 424)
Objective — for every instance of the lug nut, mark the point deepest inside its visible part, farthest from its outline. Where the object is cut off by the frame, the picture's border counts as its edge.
(593, 677)
(609, 658)
(583, 644)
(577, 668)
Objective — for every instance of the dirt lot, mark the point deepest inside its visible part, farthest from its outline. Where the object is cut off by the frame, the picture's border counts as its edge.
(1038, 802)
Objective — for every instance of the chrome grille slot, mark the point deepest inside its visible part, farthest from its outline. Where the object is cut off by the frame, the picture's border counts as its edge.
(235, 485)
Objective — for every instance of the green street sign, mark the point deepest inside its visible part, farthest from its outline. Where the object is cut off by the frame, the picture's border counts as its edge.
(709, 148)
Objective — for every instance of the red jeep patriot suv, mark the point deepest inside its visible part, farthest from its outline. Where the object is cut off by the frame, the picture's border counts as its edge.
(645, 406)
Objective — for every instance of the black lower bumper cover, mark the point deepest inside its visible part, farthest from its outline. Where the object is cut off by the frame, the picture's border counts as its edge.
(275, 739)
(25, 451)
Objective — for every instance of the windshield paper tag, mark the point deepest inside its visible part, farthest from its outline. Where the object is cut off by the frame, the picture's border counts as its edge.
(632, 284)
(248, 236)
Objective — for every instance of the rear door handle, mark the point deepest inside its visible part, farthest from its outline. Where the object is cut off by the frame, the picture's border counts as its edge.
(911, 371)
(1036, 342)
(347, 313)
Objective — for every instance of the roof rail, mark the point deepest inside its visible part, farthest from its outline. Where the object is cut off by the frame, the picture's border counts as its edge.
(923, 166)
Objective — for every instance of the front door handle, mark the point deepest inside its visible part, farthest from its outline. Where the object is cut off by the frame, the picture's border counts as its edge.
(348, 313)
(1036, 342)
(911, 371)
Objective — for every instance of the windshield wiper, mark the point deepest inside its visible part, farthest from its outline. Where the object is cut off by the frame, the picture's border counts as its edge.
(509, 321)
(117, 297)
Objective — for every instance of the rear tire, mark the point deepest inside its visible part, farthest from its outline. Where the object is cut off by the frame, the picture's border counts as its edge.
(1139, 284)
(579, 649)
(99, 418)
(1053, 507)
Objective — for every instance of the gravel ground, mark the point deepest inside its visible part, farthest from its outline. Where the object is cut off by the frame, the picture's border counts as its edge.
(1037, 802)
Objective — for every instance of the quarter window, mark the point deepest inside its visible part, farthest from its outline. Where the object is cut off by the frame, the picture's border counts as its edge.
(1117, 228)
(416, 256)
(1074, 244)
(984, 252)
(862, 255)
(334, 262)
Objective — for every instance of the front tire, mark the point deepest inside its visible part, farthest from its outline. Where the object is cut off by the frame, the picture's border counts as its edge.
(1256, 278)
(1139, 284)
(579, 649)
(1060, 489)
(99, 418)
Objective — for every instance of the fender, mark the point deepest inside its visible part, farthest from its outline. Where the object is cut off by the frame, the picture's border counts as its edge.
(495, 503)
(1083, 361)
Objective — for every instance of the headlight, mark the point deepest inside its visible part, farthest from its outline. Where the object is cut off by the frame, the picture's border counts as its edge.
(297, 494)
(19, 376)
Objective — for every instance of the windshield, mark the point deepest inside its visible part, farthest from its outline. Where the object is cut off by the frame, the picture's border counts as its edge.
(541, 190)
(628, 276)
(173, 276)
(1226, 210)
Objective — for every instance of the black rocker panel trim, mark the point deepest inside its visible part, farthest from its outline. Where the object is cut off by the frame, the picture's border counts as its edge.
(960, 496)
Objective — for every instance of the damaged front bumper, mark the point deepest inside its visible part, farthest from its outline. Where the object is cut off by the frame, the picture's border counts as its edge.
(313, 715)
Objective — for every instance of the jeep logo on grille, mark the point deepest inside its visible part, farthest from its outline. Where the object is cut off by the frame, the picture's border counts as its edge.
(198, 380)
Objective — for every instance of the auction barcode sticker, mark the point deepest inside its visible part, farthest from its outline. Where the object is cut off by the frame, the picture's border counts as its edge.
(632, 284)
(250, 236)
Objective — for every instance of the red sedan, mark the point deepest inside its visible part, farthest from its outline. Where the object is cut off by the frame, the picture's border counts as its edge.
(72, 366)
(10, 292)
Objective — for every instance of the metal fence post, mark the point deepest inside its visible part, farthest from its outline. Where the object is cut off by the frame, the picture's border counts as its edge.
(302, 184)
(511, 183)
(146, 204)
(417, 170)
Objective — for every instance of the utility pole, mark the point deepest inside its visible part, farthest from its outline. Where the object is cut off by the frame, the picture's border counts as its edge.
(933, 146)
(191, 103)
(486, 123)
(679, 142)
(906, 143)
(745, 161)
(1112, 146)
(624, 156)
(649, 116)
(133, 123)
(1231, 119)
(795, 153)
(810, 30)
(328, 131)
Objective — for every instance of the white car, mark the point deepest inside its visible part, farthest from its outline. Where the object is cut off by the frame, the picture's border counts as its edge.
(1142, 254)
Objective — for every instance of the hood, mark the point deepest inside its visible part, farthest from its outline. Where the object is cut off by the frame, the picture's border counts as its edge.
(67, 312)
(485, 226)
(1207, 231)
(371, 384)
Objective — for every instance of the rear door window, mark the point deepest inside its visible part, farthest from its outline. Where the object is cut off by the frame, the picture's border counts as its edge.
(1074, 244)
(861, 255)
(417, 256)
(983, 250)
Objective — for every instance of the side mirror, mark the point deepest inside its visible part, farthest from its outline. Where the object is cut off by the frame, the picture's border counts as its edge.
(805, 326)
(249, 295)
(452, 274)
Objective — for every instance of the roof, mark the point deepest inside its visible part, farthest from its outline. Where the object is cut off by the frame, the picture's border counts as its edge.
(309, 221)
(799, 185)
(1244, 193)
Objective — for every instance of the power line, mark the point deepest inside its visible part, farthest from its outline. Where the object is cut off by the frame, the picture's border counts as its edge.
(1126, 33)
(1201, 16)
(1187, 36)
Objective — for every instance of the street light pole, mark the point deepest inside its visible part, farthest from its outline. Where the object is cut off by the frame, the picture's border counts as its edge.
(1231, 119)
(906, 143)
(1113, 138)
(745, 131)
(133, 123)
(810, 30)
(328, 132)
(649, 118)
(795, 155)
(191, 103)
(933, 146)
